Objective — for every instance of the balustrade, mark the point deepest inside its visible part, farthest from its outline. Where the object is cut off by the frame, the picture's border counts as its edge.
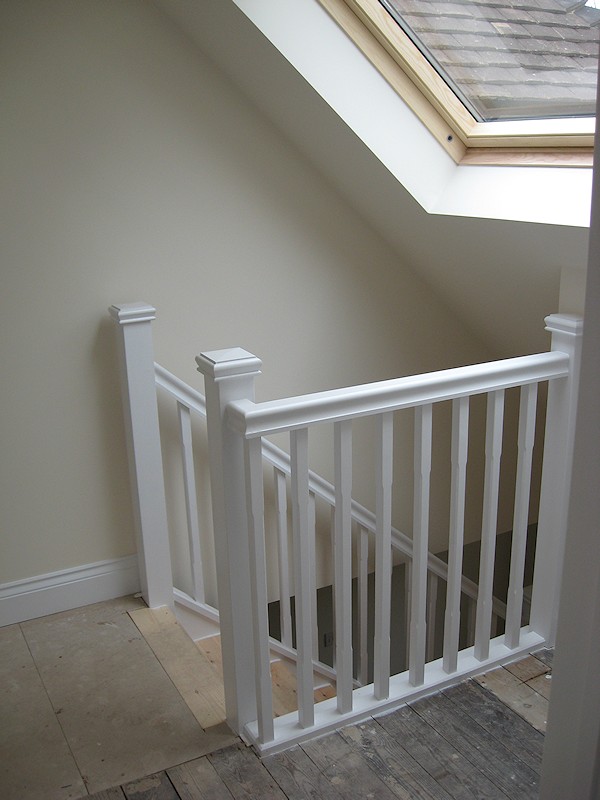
(478, 630)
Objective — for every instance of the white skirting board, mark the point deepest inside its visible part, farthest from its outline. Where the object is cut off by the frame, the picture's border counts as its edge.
(67, 589)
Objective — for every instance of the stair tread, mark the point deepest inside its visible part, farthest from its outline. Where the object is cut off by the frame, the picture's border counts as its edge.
(191, 671)
(283, 678)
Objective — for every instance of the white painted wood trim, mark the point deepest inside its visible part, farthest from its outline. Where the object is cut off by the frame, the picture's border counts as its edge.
(383, 555)
(422, 474)
(259, 419)
(255, 504)
(526, 441)
(327, 717)
(68, 588)
(493, 453)
(343, 565)
(302, 581)
(459, 456)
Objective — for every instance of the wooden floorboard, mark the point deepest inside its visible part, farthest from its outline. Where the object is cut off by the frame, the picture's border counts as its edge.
(517, 695)
(154, 787)
(389, 760)
(494, 716)
(198, 780)
(244, 774)
(528, 668)
(346, 769)
(547, 656)
(483, 749)
(108, 794)
(479, 740)
(454, 772)
(299, 777)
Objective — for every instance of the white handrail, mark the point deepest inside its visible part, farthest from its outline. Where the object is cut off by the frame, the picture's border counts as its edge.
(274, 416)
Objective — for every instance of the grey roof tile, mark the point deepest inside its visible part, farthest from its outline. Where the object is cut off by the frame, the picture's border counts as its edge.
(535, 51)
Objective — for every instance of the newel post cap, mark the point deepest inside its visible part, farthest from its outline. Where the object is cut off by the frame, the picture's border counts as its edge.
(228, 363)
(565, 323)
(125, 313)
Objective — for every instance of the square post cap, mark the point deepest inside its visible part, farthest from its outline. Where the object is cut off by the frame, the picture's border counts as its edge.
(233, 361)
(125, 313)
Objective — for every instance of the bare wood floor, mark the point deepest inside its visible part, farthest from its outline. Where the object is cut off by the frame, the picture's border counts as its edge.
(114, 695)
(481, 739)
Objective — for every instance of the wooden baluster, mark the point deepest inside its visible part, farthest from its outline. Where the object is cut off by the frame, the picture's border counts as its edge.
(302, 581)
(285, 613)
(191, 500)
(418, 627)
(407, 603)
(312, 533)
(433, 586)
(363, 604)
(514, 607)
(333, 560)
(343, 564)
(258, 587)
(460, 445)
(383, 555)
(493, 452)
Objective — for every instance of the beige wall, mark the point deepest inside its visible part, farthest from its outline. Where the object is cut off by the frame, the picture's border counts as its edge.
(132, 170)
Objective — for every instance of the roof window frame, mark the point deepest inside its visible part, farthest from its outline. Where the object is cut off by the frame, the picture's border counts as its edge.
(543, 142)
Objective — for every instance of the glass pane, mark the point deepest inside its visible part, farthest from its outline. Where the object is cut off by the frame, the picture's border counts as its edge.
(517, 59)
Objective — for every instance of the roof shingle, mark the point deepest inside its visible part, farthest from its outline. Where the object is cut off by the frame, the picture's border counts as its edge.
(509, 58)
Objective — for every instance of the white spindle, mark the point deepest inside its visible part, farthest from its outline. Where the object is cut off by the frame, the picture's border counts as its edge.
(460, 446)
(514, 608)
(432, 601)
(383, 555)
(191, 501)
(493, 452)
(300, 533)
(258, 587)
(312, 533)
(343, 564)
(363, 604)
(423, 426)
(333, 560)
(285, 613)
(408, 570)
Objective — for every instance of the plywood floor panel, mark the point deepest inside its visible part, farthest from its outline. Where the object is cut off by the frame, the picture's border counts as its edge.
(121, 715)
(35, 760)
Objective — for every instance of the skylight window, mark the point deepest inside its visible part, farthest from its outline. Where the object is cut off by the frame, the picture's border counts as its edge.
(513, 60)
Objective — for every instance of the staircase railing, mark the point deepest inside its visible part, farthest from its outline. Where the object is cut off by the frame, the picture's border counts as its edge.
(237, 449)
(191, 402)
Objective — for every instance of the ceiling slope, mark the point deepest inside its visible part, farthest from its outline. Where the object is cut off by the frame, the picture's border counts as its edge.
(500, 276)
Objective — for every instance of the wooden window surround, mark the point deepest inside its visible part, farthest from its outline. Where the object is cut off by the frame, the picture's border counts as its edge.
(554, 143)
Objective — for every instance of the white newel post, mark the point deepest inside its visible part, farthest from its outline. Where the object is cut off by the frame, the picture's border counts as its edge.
(144, 453)
(567, 332)
(229, 375)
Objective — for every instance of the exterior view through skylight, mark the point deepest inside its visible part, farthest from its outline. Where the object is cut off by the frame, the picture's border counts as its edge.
(509, 59)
